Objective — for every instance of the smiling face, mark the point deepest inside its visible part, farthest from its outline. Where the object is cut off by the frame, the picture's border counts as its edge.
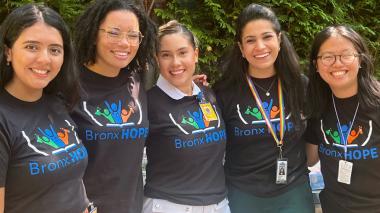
(36, 57)
(260, 45)
(177, 59)
(112, 56)
(342, 78)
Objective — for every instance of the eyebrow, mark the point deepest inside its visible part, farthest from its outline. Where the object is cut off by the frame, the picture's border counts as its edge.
(31, 42)
(119, 29)
(180, 49)
(37, 42)
(265, 33)
(341, 51)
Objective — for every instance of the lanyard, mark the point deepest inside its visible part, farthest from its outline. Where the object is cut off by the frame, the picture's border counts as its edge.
(255, 94)
(345, 139)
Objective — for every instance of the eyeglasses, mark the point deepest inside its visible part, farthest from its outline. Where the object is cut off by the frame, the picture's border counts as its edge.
(114, 35)
(328, 59)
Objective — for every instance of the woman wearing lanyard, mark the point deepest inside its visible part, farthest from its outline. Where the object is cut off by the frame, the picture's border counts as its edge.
(186, 142)
(265, 155)
(345, 126)
(114, 42)
(42, 161)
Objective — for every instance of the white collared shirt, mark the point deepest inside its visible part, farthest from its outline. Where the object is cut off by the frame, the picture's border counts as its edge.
(173, 91)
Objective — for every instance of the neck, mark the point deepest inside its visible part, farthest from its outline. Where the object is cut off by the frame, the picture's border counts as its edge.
(188, 89)
(261, 73)
(345, 92)
(108, 72)
(23, 94)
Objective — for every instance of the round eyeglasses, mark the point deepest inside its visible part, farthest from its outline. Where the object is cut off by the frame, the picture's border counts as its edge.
(114, 35)
(328, 59)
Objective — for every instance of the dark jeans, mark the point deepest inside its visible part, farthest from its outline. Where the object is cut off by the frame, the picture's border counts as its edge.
(297, 200)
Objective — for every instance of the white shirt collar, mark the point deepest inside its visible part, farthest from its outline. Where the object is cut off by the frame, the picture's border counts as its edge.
(173, 91)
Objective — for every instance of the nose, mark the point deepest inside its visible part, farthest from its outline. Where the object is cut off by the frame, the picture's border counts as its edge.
(176, 60)
(260, 44)
(124, 40)
(44, 56)
(338, 61)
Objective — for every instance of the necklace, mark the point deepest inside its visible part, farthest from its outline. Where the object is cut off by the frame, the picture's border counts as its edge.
(267, 93)
(344, 139)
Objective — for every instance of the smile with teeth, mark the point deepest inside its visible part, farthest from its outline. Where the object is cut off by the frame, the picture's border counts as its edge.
(338, 73)
(261, 55)
(177, 71)
(39, 71)
(120, 54)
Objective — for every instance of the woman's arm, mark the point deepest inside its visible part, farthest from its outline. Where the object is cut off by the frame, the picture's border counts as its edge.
(2, 192)
(312, 154)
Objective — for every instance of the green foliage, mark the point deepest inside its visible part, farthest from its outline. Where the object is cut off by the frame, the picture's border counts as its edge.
(213, 23)
(69, 9)
(209, 22)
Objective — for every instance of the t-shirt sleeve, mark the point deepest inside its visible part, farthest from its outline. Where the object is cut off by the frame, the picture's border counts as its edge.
(310, 135)
(220, 101)
(4, 158)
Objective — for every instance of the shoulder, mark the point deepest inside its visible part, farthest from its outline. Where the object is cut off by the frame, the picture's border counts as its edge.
(156, 96)
(155, 90)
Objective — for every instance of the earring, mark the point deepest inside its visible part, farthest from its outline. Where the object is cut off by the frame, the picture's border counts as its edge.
(8, 63)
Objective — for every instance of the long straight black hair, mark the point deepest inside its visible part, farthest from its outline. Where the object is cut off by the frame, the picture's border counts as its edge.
(235, 68)
(318, 89)
(66, 83)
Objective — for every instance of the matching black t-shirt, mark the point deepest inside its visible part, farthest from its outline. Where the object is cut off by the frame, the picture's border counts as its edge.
(113, 125)
(363, 194)
(42, 160)
(251, 153)
(185, 150)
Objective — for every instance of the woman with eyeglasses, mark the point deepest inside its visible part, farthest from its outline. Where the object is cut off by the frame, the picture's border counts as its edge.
(344, 129)
(115, 43)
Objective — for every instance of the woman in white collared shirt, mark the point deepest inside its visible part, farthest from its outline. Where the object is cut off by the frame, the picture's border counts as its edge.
(187, 138)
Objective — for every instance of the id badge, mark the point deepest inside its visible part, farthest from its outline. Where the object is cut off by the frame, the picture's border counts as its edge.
(92, 209)
(345, 171)
(282, 171)
(208, 111)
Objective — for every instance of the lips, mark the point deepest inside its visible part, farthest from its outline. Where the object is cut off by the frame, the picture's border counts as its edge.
(177, 71)
(40, 72)
(259, 56)
(338, 73)
(120, 54)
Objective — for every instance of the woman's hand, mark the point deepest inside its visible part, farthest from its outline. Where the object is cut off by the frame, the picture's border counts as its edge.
(2, 193)
(312, 154)
(200, 79)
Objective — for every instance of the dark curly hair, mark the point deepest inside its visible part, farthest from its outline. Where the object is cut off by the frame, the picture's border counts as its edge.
(87, 27)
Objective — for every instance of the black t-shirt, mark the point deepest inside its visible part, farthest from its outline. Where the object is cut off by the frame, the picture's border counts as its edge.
(185, 152)
(112, 122)
(251, 152)
(363, 194)
(42, 161)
